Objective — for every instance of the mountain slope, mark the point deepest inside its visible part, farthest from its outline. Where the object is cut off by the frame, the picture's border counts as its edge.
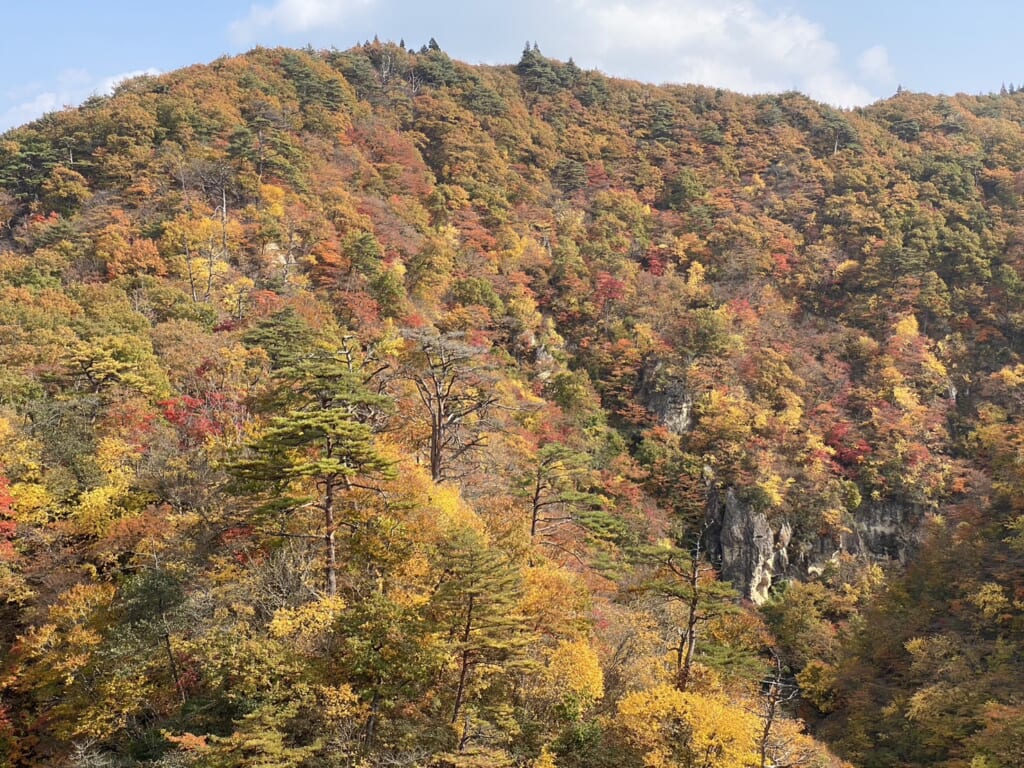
(368, 406)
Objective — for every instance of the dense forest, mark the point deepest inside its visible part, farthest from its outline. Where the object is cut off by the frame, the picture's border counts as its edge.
(365, 408)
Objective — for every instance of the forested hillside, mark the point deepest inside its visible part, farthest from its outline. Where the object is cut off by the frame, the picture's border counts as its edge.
(366, 408)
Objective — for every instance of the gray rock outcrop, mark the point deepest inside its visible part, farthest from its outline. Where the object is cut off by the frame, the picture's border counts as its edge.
(754, 554)
(749, 553)
(884, 531)
(666, 396)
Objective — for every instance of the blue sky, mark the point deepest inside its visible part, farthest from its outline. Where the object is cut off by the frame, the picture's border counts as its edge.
(58, 52)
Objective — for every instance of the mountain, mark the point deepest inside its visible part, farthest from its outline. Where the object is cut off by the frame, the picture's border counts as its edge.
(367, 408)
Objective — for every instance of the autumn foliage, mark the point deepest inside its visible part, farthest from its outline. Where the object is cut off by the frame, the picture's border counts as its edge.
(367, 408)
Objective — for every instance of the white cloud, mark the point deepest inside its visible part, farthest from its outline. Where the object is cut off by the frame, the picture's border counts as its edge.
(737, 44)
(742, 45)
(292, 16)
(734, 44)
(24, 111)
(73, 86)
(874, 64)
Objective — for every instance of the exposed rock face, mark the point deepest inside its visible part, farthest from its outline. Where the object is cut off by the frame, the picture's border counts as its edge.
(885, 531)
(666, 396)
(750, 554)
(753, 556)
(674, 407)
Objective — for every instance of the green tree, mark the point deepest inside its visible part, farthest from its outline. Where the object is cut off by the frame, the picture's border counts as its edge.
(476, 607)
(687, 582)
(323, 443)
(557, 487)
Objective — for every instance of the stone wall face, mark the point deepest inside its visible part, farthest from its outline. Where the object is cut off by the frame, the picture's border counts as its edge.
(754, 553)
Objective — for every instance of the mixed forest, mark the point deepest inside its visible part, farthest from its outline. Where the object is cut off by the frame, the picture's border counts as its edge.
(366, 408)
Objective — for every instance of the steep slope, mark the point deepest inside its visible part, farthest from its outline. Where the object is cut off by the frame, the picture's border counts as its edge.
(366, 405)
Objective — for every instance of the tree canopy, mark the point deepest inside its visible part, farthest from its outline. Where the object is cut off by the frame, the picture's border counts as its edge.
(367, 408)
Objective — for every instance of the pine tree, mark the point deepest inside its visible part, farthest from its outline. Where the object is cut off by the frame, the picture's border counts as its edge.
(687, 581)
(324, 443)
(556, 488)
(476, 606)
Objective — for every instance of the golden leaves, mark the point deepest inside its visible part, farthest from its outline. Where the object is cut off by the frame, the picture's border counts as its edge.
(574, 671)
(305, 626)
(670, 728)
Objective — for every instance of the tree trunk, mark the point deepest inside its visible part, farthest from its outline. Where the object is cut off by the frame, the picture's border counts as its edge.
(536, 505)
(460, 692)
(770, 712)
(689, 640)
(188, 267)
(370, 731)
(224, 222)
(436, 442)
(464, 672)
(690, 643)
(174, 664)
(331, 566)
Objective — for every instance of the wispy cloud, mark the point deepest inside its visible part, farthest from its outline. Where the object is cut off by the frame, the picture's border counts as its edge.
(292, 16)
(874, 64)
(743, 45)
(72, 86)
(735, 44)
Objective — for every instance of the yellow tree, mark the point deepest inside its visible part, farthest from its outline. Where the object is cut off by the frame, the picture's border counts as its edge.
(671, 729)
(199, 246)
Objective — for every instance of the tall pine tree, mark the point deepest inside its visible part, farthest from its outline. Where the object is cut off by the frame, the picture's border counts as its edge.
(476, 606)
(322, 447)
